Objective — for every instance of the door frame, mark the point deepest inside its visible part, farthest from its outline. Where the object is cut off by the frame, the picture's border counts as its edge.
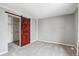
(20, 19)
(20, 31)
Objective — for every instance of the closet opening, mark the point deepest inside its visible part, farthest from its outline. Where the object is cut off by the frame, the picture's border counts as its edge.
(14, 29)
(19, 29)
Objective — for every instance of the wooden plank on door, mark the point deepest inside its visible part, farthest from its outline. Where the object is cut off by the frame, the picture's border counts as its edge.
(25, 31)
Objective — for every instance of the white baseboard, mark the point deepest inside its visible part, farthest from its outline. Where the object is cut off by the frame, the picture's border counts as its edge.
(3, 52)
(33, 41)
(60, 43)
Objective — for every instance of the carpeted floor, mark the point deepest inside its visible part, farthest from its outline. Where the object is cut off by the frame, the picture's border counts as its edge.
(40, 48)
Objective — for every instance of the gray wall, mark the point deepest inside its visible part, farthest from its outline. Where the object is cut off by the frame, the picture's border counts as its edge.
(57, 30)
(76, 26)
(78, 30)
(3, 31)
(33, 30)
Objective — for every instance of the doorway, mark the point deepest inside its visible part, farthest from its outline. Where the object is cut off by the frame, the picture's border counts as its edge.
(14, 29)
(19, 29)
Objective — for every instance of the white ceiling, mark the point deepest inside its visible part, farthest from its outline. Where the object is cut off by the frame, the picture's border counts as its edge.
(42, 10)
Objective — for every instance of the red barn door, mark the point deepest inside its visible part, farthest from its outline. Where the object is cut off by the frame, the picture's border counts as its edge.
(25, 31)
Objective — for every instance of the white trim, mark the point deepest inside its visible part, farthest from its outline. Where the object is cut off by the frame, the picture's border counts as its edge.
(78, 32)
(59, 43)
(20, 31)
(33, 41)
(1, 53)
(77, 46)
(37, 29)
